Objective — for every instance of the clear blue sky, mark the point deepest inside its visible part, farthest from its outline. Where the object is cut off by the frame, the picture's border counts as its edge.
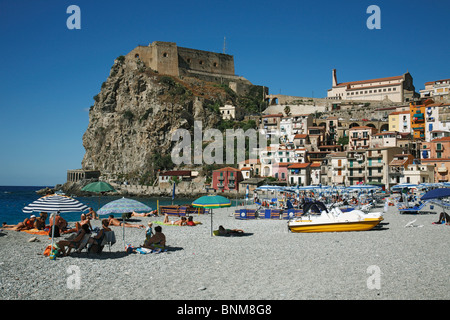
(49, 74)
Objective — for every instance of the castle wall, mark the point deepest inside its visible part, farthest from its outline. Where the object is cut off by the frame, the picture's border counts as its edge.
(205, 61)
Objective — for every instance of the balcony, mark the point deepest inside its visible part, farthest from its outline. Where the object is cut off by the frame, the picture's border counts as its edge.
(356, 174)
(442, 169)
(375, 164)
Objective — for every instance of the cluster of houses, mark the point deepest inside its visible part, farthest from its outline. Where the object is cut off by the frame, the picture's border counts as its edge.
(410, 145)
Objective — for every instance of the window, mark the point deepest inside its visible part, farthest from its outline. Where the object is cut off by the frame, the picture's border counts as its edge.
(394, 89)
(165, 54)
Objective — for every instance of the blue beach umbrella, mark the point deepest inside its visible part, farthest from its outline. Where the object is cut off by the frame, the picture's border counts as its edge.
(123, 205)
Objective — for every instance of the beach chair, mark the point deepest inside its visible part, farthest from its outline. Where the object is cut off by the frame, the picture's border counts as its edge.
(414, 209)
(109, 239)
(275, 213)
(83, 243)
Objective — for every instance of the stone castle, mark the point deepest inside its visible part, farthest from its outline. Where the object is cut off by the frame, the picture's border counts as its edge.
(169, 59)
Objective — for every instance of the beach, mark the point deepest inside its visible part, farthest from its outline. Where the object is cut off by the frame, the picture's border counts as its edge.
(392, 262)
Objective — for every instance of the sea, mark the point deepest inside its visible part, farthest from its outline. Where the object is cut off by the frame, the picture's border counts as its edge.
(14, 198)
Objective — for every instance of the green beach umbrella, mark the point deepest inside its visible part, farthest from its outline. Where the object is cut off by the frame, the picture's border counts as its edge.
(211, 202)
(98, 187)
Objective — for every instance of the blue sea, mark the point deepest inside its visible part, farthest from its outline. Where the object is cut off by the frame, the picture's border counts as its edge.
(14, 198)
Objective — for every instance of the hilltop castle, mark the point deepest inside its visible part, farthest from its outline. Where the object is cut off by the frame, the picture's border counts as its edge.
(169, 59)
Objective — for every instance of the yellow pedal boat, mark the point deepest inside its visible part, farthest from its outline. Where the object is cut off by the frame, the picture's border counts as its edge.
(335, 221)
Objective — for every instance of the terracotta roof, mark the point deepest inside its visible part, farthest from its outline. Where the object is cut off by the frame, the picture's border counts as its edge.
(441, 139)
(299, 165)
(300, 136)
(315, 165)
(371, 80)
(282, 164)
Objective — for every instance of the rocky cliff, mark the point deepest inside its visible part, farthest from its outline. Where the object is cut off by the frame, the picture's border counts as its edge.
(135, 114)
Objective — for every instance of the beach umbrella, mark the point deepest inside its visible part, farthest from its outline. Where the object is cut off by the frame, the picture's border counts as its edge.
(211, 202)
(436, 194)
(123, 205)
(55, 203)
(98, 187)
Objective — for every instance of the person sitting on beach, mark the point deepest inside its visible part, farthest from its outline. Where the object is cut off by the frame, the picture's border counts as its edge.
(157, 241)
(181, 222)
(147, 214)
(190, 221)
(75, 242)
(84, 219)
(99, 237)
(225, 232)
(443, 218)
(92, 214)
(40, 221)
(60, 222)
(114, 222)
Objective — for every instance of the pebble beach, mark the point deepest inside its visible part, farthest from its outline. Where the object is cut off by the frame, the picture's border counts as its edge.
(391, 262)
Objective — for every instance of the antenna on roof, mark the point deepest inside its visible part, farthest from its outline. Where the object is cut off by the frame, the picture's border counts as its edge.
(224, 44)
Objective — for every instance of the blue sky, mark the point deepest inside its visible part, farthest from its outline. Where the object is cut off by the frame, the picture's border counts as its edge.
(49, 74)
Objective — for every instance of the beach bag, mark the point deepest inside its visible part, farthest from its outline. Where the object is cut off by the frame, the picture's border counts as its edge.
(48, 250)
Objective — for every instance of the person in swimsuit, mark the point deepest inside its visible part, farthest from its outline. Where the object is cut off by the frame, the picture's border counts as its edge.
(27, 224)
(114, 222)
(181, 222)
(223, 231)
(75, 242)
(40, 221)
(99, 237)
(157, 241)
(84, 219)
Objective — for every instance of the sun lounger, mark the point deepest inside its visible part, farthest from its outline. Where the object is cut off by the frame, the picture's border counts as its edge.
(414, 209)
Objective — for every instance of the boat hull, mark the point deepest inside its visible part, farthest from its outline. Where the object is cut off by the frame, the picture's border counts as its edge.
(339, 226)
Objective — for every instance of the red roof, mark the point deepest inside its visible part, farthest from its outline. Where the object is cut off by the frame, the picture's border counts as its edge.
(227, 169)
(371, 80)
(299, 165)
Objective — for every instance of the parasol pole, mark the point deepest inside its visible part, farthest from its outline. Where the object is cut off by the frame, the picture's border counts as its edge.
(53, 230)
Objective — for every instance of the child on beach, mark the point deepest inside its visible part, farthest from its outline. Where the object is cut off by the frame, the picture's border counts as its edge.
(157, 241)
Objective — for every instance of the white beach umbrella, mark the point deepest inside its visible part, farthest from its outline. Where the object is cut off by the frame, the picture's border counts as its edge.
(55, 203)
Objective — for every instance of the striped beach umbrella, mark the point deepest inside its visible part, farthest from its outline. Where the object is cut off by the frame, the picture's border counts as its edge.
(123, 205)
(55, 203)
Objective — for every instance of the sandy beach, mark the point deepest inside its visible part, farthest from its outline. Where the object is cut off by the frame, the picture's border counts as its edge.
(392, 262)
